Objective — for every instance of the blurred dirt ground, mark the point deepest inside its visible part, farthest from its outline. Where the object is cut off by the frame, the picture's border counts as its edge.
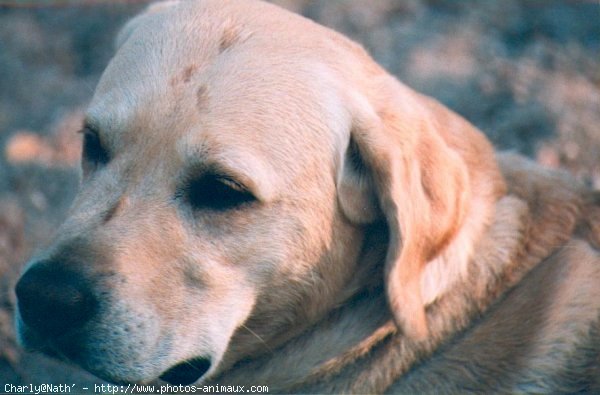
(526, 72)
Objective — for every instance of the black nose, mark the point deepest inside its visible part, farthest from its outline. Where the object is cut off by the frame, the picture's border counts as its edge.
(53, 300)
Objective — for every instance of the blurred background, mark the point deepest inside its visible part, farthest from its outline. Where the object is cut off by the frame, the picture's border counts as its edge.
(526, 72)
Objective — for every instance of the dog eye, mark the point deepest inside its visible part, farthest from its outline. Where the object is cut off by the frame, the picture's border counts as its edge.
(216, 192)
(94, 154)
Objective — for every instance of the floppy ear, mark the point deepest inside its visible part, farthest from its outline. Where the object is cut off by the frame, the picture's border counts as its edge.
(397, 166)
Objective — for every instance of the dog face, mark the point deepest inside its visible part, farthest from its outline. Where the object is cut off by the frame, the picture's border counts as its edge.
(234, 155)
(207, 182)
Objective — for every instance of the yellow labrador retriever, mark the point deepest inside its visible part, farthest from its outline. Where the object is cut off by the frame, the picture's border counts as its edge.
(262, 204)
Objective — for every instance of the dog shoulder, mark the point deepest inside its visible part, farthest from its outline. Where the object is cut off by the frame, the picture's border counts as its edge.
(543, 336)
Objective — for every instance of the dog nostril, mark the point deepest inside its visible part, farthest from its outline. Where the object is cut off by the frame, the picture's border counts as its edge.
(53, 300)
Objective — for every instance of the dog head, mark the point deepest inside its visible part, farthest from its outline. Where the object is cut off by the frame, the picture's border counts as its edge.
(234, 157)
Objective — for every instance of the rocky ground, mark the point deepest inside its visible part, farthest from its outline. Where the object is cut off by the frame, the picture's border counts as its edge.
(527, 72)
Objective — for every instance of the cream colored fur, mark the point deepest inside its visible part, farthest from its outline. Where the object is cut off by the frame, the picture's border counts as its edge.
(385, 248)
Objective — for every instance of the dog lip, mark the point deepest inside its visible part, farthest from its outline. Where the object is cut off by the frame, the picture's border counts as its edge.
(186, 372)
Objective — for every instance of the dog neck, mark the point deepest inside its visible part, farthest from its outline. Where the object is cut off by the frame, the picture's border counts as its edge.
(358, 349)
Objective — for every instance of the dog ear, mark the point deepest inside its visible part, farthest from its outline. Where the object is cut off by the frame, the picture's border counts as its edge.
(398, 167)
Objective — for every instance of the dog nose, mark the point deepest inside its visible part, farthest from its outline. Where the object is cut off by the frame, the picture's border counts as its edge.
(53, 300)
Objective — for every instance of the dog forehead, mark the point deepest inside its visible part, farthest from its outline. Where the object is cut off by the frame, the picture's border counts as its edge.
(228, 72)
(190, 35)
(163, 50)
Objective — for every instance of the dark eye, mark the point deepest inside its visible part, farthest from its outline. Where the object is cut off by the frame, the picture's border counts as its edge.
(215, 192)
(94, 154)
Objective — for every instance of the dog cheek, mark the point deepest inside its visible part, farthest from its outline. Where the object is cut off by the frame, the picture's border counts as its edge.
(216, 309)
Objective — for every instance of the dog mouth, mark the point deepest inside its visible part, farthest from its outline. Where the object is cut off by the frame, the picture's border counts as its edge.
(186, 372)
(65, 348)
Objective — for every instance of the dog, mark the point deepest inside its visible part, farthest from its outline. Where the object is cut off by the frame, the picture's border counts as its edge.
(262, 203)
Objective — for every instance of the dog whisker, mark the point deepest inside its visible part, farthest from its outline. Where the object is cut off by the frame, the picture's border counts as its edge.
(256, 335)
